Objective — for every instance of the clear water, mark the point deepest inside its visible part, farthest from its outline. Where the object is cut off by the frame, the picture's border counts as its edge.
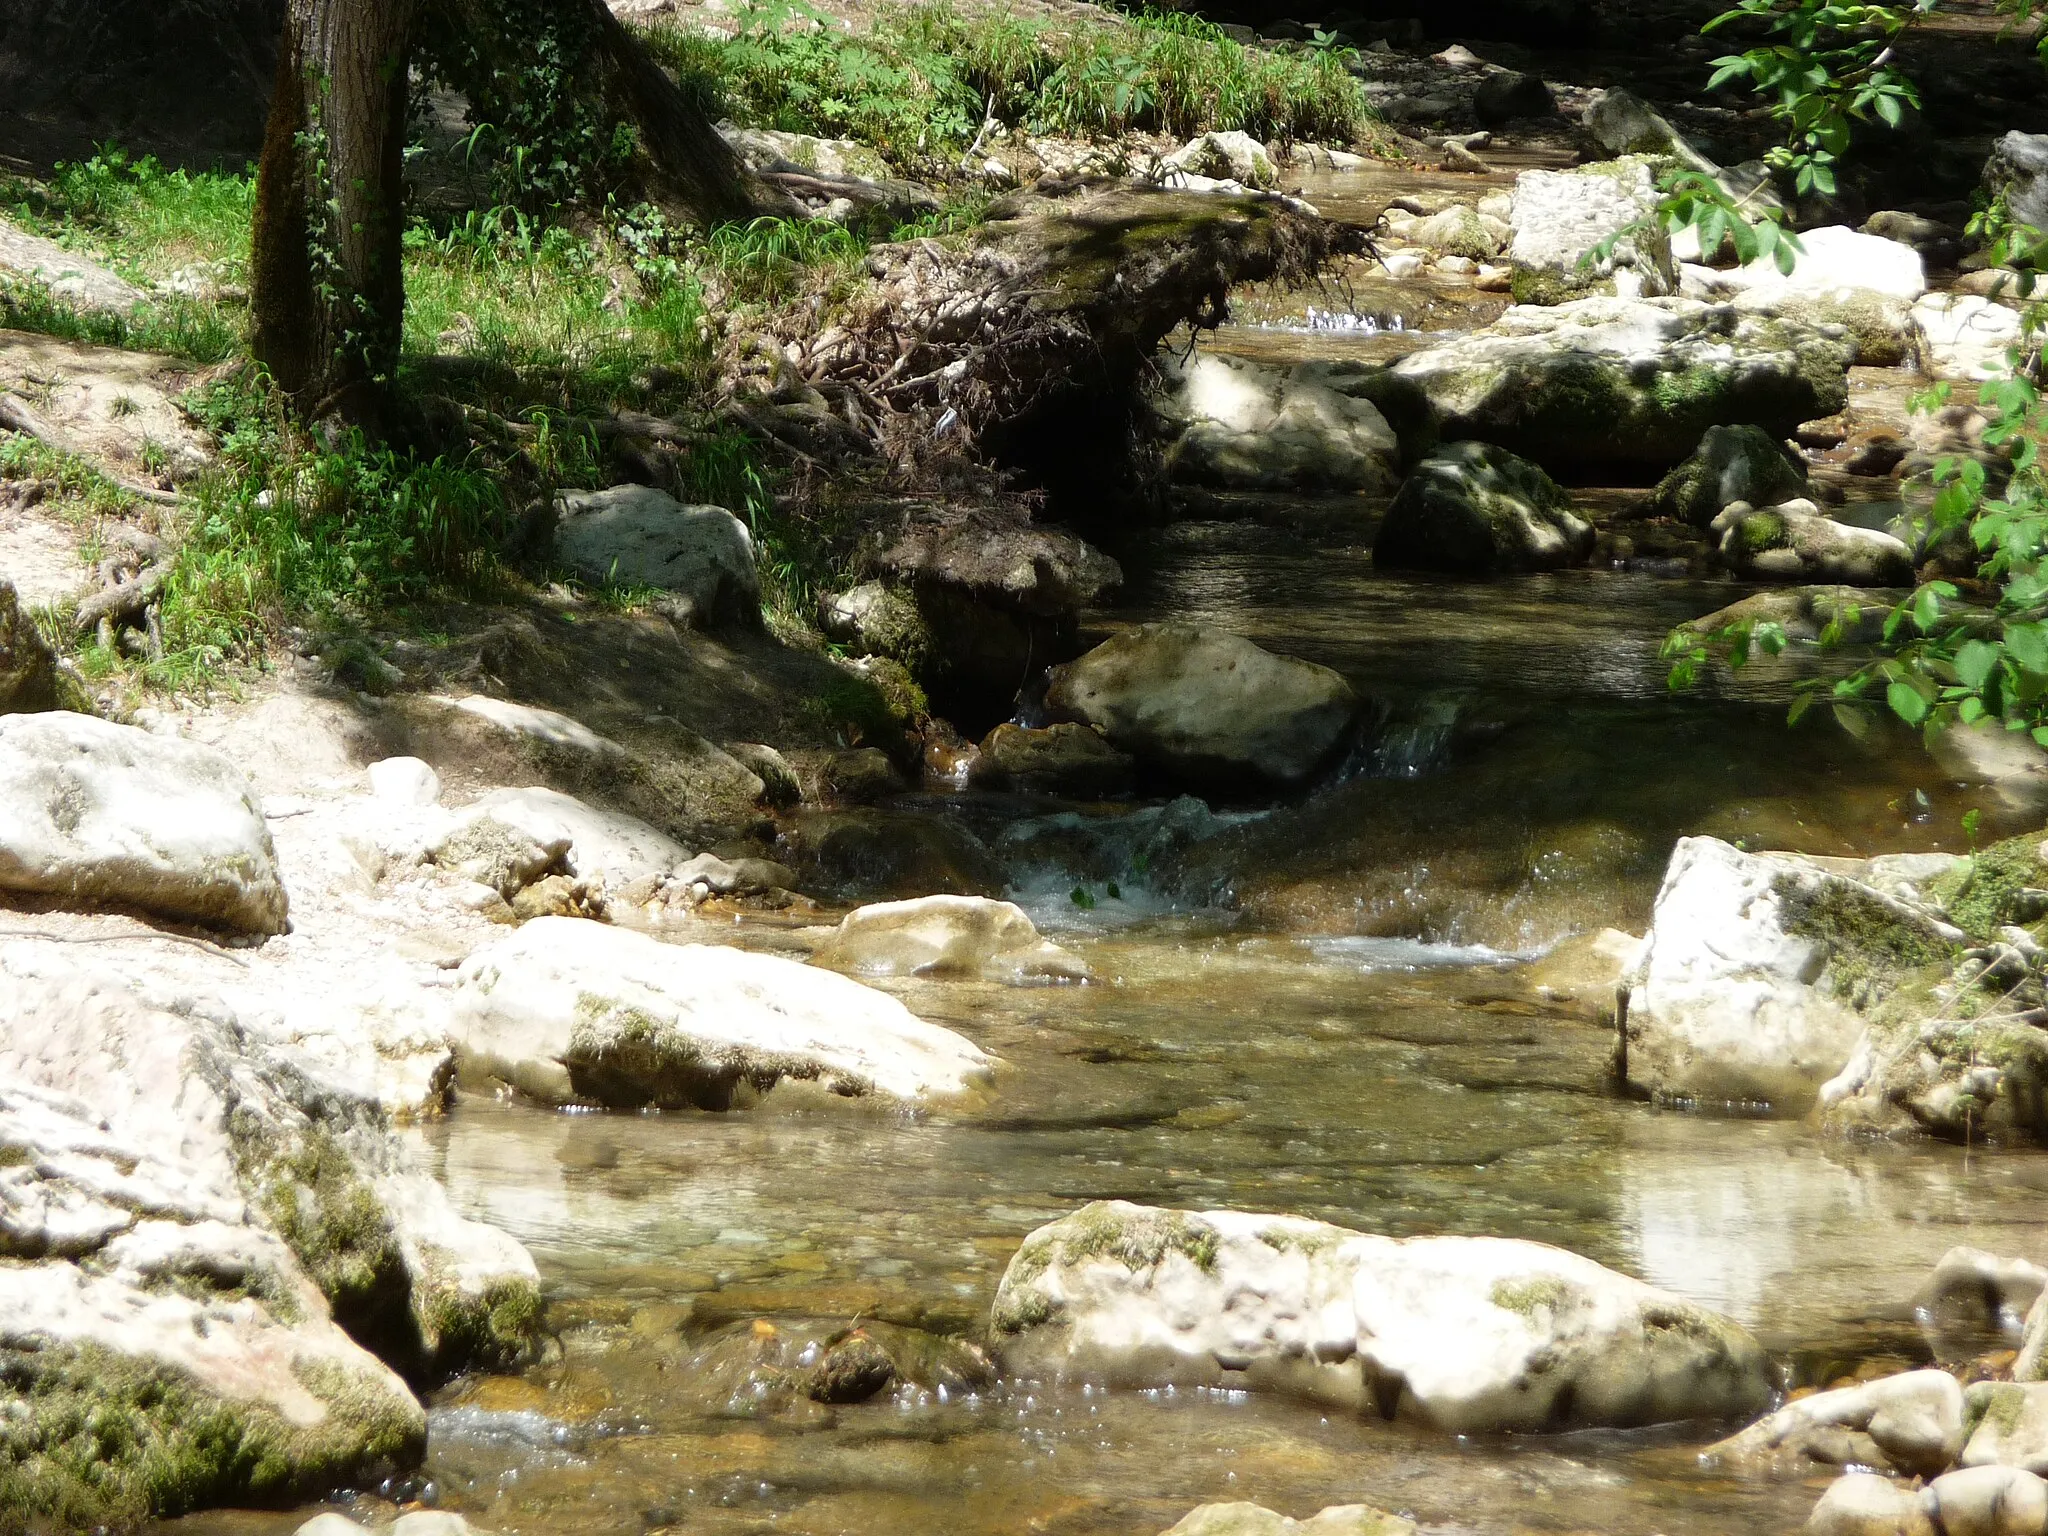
(1321, 1009)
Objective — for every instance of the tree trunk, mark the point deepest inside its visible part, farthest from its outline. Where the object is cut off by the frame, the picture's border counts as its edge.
(327, 285)
(696, 170)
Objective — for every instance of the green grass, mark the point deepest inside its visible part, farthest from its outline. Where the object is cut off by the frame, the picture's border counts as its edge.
(916, 84)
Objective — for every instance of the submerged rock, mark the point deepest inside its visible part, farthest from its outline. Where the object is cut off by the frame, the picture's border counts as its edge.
(1732, 463)
(1911, 1424)
(867, 852)
(948, 936)
(1063, 759)
(1796, 541)
(98, 814)
(1256, 1520)
(1207, 707)
(637, 536)
(1973, 1296)
(1474, 507)
(1856, 614)
(574, 1012)
(1469, 1335)
(1979, 1501)
(1626, 383)
(1760, 971)
(1236, 423)
(1561, 217)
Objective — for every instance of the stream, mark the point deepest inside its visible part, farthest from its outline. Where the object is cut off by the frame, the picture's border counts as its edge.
(1322, 1014)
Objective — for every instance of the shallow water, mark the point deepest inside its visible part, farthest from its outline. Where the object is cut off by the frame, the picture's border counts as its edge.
(1319, 1009)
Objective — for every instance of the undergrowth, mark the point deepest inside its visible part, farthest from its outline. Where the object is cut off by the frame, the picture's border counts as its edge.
(921, 80)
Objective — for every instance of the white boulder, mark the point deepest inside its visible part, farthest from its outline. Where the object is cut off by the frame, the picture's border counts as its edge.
(543, 727)
(1966, 338)
(1796, 541)
(1737, 1000)
(94, 813)
(948, 936)
(1226, 156)
(1978, 1501)
(1561, 217)
(574, 1012)
(1256, 1520)
(405, 781)
(1469, 1335)
(2011, 1426)
(635, 535)
(604, 848)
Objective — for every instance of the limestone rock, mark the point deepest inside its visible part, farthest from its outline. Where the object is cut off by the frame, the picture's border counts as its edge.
(1242, 424)
(544, 727)
(1732, 463)
(2018, 171)
(1562, 216)
(948, 936)
(1462, 231)
(1965, 338)
(637, 536)
(2010, 1426)
(1863, 1504)
(865, 853)
(1255, 1520)
(1620, 383)
(1625, 124)
(405, 781)
(1972, 1296)
(95, 813)
(1862, 283)
(766, 148)
(68, 276)
(876, 619)
(1227, 156)
(1796, 541)
(1805, 613)
(1469, 1335)
(606, 849)
(1064, 759)
(1474, 507)
(28, 669)
(779, 784)
(859, 776)
(1758, 971)
(1911, 1424)
(574, 1012)
(1207, 707)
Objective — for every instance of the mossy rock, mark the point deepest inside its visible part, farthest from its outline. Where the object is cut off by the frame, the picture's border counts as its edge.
(2006, 883)
(1736, 462)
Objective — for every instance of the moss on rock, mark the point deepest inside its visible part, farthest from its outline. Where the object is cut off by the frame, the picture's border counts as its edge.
(1994, 887)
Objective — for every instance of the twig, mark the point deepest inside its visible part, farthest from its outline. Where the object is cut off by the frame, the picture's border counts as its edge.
(112, 938)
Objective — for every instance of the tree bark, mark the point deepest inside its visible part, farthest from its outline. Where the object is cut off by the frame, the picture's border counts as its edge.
(696, 170)
(327, 284)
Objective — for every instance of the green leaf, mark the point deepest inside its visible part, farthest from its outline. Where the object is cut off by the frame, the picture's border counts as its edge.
(2027, 644)
(1974, 663)
(1906, 702)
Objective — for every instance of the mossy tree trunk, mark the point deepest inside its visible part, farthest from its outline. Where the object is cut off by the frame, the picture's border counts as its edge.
(328, 288)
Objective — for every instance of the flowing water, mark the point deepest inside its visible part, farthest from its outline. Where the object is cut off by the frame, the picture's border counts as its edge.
(1321, 1010)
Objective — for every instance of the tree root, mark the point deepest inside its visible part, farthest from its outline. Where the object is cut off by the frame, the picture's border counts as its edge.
(16, 416)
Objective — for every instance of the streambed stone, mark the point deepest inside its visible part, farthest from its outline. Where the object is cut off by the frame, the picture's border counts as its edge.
(1256, 1520)
(948, 936)
(1732, 463)
(1561, 217)
(1911, 1424)
(93, 813)
(1977, 1501)
(1759, 972)
(1207, 707)
(1468, 1335)
(1235, 423)
(1063, 759)
(1632, 384)
(1475, 507)
(575, 1012)
(1796, 541)
(637, 536)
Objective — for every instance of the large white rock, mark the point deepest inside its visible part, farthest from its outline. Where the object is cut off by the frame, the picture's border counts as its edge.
(306, 1136)
(1244, 424)
(607, 848)
(543, 727)
(569, 1011)
(1911, 1424)
(1630, 383)
(1865, 284)
(405, 781)
(1467, 1334)
(1734, 1002)
(1256, 1520)
(1966, 338)
(1207, 706)
(1560, 217)
(637, 536)
(1796, 541)
(948, 936)
(1978, 1501)
(66, 274)
(1226, 156)
(94, 813)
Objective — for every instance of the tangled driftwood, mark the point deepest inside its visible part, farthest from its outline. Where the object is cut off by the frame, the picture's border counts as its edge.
(132, 579)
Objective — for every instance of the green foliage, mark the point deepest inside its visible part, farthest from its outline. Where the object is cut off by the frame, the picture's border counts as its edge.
(769, 260)
(1824, 68)
(539, 127)
(920, 82)
(282, 527)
